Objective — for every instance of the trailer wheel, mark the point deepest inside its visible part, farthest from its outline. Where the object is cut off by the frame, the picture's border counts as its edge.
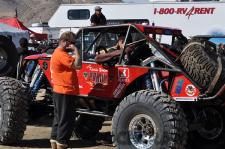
(199, 58)
(211, 134)
(87, 127)
(13, 111)
(149, 120)
(8, 57)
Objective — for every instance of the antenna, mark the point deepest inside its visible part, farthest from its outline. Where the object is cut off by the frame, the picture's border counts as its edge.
(40, 20)
(16, 13)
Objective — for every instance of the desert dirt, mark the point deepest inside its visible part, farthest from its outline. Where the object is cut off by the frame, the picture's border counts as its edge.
(38, 132)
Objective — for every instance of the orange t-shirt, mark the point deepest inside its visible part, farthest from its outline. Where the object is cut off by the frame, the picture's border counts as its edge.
(64, 77)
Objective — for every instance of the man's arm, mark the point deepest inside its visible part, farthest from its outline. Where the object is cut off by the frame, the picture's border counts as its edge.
(106, 56)
(78, 62)
(93, 22)
(103, 19)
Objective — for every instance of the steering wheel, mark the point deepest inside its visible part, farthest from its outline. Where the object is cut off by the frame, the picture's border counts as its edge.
(136, 55)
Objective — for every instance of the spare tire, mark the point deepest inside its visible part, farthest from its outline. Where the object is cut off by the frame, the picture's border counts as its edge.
(200, 60)
(8, 57)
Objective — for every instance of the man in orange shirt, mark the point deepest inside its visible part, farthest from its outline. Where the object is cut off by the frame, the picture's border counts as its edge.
(65, 87)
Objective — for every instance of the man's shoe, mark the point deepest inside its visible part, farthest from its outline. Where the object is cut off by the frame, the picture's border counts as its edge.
(61, 146)
(53, 144)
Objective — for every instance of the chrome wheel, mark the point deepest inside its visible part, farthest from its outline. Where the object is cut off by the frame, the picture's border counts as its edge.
(3, 58)
(212, 125)
(142, 131)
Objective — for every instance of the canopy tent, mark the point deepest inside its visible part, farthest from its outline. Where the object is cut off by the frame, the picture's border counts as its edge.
(14, 22)
(16, 33)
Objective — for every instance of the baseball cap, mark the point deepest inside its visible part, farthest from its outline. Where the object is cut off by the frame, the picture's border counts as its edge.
(97, 8)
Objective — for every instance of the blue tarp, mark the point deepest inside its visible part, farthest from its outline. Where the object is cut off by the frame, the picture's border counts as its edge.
(14, 32)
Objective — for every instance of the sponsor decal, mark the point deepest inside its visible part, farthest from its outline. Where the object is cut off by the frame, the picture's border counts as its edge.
(45, 65)
(185, 11)
(96, 76)
(123, 74)
(179, 86)
(119, 89)
(190, 90)
(85, 75)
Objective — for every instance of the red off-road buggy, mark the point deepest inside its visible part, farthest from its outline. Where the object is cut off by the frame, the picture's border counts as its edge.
(165, 92)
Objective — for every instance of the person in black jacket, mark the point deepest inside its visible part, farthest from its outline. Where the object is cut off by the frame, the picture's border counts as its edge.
(98, 18)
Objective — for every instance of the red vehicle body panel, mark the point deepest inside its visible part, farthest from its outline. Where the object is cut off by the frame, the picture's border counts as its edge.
(101, 81)
(35, 57)
(183, 89)
(110, 82)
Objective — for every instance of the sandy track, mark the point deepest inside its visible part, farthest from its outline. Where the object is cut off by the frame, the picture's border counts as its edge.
(38, 132)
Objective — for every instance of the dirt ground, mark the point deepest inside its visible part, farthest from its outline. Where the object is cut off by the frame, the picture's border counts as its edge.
(38, 132)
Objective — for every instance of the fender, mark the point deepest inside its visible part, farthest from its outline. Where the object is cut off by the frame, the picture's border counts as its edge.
(36, 56)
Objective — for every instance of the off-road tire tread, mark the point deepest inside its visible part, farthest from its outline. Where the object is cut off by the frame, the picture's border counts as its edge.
(199, 64)
(15, 110)
(175, 124)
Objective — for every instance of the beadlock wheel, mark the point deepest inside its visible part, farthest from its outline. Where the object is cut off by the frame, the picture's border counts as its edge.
(149, 120)
(142, 131)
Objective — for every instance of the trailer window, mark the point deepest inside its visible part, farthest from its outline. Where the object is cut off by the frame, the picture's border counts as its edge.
(78, 14)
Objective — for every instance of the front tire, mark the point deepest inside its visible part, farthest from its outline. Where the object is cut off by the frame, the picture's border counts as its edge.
(13, 111)
(149, 120)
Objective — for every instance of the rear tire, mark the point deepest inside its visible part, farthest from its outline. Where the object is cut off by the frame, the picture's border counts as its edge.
(211, 134)
(13, 111)
(8, 57)
(149, 120)
(87, 127)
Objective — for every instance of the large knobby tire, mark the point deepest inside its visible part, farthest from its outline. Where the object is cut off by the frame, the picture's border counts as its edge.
(13, 111)
(8, 57)
(87, 127)
(149, 120)
(199, 58)
(211, 134)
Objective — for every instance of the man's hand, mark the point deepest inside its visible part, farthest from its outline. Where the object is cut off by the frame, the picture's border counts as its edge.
(77, 63)
(72, 47)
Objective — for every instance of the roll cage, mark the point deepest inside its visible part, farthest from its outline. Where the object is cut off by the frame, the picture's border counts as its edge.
(89, 37)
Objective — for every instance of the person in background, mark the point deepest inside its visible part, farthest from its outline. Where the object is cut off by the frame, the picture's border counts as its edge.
(221, 49)
(98, 18)
(63, 68)
(115, 51)
(9, 37)
(33, 44)
(23, 49)
(23, 52)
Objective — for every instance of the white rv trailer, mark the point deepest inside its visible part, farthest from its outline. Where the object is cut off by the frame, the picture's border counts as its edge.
(194, 18)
